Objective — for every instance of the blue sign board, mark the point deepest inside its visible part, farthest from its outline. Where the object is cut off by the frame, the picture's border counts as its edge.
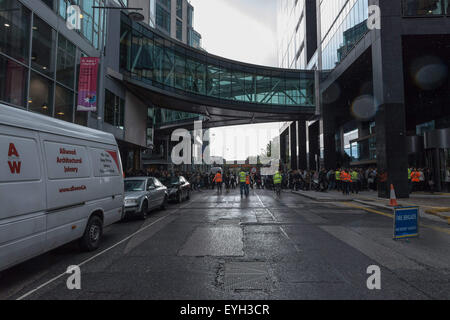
(406, 222)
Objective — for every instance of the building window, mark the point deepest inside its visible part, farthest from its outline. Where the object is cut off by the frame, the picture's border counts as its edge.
(114, 110)
(65, 68)
(41, 95)
(162, 18)
(43, 47)
(13, 82)
(179, 30)
(14, 30)
(423, 7)
(180, 9)
(63, 104)
(190, 13)
(81, 117)
(165, 3)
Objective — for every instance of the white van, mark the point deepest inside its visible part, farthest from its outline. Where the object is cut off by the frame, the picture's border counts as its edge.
(59, 182)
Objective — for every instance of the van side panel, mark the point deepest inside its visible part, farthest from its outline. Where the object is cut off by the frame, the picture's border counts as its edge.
(22, 196)
(82, 177)
(108, 174)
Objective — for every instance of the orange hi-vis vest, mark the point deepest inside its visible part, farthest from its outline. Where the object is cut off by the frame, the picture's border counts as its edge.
(218, 178)
(415, 176)
(247, 180)
(346, 177)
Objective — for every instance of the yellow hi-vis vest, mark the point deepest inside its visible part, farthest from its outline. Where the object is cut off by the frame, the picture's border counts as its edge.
(242, 176)
(338, 176)
(409, 174)
(354, 176)
(277, 178)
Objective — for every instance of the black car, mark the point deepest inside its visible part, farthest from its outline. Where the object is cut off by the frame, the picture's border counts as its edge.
(179, 188)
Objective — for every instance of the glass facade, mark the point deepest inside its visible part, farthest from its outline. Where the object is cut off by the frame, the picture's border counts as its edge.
(291, 34)
(179, 34)
(41, 78)
(414, 8)
(163, 63)
(91, 19)
(114, 110)
(343, 24)
(163, 16)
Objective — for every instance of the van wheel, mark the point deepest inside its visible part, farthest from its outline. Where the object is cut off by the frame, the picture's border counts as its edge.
(92, 235)
(144, 211)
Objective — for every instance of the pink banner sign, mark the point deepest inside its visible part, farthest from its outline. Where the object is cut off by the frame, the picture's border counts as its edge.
(87, 84)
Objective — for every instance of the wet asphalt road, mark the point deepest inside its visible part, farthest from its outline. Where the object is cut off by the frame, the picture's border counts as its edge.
(224, 247)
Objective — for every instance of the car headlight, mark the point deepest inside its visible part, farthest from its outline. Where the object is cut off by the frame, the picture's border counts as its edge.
(131, 202)
(174, 190)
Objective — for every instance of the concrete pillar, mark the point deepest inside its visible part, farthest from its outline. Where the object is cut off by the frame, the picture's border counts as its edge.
(301, 142)
(314, 148)
(387, 63)
(293, 145)
(328, 130)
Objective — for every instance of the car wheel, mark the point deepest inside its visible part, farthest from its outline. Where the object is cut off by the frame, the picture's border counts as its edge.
(188, 197)
(92, 235)
(144, 211)
(164, 204)
(180, 197)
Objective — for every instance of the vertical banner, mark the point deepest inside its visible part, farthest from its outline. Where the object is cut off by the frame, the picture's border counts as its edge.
(87, 84)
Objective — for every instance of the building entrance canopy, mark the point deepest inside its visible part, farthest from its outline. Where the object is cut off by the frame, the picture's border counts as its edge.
(175, 76)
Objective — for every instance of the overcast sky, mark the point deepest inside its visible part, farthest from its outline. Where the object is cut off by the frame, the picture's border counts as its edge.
(243, 30)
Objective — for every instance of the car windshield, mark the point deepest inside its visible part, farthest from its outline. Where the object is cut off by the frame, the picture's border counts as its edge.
(134, 185)
(170, 180)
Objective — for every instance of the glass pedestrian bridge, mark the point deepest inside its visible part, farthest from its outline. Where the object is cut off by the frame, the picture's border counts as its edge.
(155, 62)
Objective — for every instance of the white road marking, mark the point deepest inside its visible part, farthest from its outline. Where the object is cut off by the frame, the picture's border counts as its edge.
(281, 228)
(100, 253)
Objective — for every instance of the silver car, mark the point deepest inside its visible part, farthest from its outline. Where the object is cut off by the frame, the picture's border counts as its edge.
(143, 194)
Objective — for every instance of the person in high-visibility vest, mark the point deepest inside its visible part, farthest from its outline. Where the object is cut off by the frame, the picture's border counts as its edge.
(409, 180)
(277, 180)
(346, 180)
(355, 181)
(338, 179)
(218, 180)
(247, 184)
(242, 180)
(415, 178)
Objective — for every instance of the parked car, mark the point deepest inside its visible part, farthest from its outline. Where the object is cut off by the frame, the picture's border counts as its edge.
(179, 188)
(59, 182)
(143, 194)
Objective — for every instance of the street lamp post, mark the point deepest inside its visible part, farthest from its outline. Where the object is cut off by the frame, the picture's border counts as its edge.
(136, 16)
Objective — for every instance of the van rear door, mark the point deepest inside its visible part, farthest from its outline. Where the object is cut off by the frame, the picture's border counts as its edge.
(22, 196)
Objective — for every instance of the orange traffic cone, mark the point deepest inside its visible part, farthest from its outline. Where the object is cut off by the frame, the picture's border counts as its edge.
(393, 200)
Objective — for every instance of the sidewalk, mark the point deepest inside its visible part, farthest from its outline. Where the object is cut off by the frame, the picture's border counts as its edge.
(435, 207)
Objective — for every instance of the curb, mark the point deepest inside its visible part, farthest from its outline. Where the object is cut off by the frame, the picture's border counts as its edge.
(437, 213)
(320, 199)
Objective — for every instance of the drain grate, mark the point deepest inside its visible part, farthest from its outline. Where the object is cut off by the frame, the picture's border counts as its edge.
(246, 276)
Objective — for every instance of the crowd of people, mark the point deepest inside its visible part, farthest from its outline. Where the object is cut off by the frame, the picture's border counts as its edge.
(344, 180)
(352, 180)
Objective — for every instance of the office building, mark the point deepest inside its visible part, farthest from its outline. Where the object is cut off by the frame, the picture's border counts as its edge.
(383, 86)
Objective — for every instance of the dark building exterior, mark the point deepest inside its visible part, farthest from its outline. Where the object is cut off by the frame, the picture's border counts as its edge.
(384, 90)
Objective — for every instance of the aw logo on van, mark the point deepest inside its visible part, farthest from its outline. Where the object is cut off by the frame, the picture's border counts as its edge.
(14, 159)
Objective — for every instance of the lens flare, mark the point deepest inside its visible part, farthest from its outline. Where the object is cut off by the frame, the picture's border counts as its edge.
(429, 72)
(364, 107)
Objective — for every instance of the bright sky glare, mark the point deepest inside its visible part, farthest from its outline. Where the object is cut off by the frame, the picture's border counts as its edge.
(243, 30)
